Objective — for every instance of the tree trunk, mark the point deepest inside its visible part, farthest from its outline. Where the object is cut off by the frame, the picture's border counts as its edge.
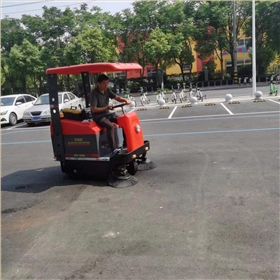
(12, 86)
(231, 53)
(125, 81)
(222, 65)
(35, 85)
(143, 69)
(162, 80)
(41, 86)
(157, 76)
(182, 72)
(68, 82)
(191, 74)
(181, 69)
(23, 82)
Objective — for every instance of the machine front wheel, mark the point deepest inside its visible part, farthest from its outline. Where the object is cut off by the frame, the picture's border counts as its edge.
(74, 174)
(132, 167)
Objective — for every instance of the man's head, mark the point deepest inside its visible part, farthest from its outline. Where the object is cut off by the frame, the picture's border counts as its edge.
(102, 82)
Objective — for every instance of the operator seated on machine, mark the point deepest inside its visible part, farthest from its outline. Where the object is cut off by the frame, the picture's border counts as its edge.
(99, 102)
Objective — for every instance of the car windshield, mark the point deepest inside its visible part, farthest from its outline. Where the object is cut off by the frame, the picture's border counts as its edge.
(44, 100)
(7, 101)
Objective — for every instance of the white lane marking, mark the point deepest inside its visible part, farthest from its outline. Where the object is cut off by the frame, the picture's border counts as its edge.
(15, 126)
(10, 128)
(39, 129)
(170, 116)
(5, 130)
(274, 101)
(20, 130)
(227, 109)
(207, 116)
(178, 118)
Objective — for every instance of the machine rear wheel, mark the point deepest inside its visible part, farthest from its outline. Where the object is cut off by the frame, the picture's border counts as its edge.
(132, 167)
(74, 174)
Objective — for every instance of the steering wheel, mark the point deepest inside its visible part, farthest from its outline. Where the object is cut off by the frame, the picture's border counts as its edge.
(119, 105)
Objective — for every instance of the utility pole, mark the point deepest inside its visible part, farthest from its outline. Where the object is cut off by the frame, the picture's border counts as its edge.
(254, 78)
(235, 74)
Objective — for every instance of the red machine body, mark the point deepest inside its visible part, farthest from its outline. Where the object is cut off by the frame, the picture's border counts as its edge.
(132, 129)
(70, 127)
(82, 147)
(85, 139)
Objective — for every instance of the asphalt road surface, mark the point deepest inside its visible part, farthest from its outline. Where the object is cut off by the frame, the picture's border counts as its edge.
(210, 210)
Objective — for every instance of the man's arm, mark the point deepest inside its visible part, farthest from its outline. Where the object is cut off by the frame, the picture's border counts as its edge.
(118, 98)
(100, 109)
(121, 99)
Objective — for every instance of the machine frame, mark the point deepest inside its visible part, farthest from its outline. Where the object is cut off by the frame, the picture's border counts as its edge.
(116, 168)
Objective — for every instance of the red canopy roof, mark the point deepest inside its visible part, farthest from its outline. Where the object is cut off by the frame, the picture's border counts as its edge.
(94, 68)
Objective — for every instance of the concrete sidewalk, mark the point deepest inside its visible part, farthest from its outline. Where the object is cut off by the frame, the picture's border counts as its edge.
(262, 84)
(217, 100)
(239, 98)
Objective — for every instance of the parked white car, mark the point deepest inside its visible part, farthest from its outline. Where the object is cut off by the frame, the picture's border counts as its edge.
(13, 107)
(40, 112)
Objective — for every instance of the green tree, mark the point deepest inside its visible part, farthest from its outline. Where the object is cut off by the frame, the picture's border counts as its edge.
(90, 46)
(175, 17)
(157, 49)
(134, 31)
(211, 34)
(3, 74)
(12, 33)
(267, 34)
(214, 20)
(25, 61)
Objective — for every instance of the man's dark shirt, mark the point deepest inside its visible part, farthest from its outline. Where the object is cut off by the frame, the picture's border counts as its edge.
(99, 99)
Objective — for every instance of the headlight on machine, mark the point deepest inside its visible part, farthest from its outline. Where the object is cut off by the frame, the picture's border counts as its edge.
(137, 128)
(4, 113)
(46, 112)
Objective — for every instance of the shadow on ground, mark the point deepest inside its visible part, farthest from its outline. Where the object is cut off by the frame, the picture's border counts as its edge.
(42, 179)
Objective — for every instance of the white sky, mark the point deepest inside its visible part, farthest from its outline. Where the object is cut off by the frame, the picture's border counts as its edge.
(15, 9)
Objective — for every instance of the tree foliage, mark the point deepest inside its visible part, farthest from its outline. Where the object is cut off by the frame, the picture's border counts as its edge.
(267, 33)
(153, 33)
(214, 22)
(25, 61)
